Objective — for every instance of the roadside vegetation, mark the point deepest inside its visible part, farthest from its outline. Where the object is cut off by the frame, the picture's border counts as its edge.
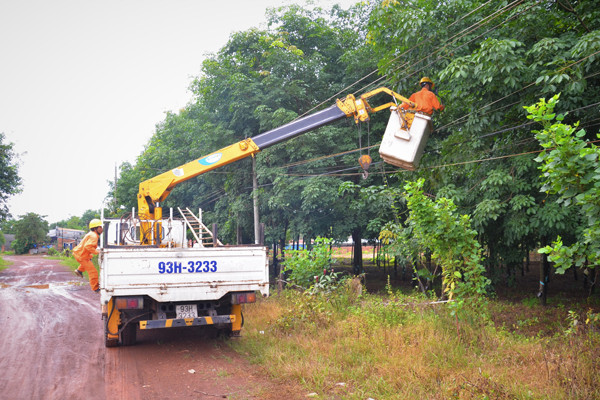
(66, 258)
(447, 337)
(4, 263)
(354, 345)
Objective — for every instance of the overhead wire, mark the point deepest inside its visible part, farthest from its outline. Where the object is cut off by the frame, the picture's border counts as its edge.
(461, 34)
(418, 44)
(477, 37)
(450, 41)
(452, 164)
(470, 29)
(457, 36)
(522, 89)
(375, 145)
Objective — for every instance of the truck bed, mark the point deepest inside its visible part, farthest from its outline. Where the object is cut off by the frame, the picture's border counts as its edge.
(183, 274)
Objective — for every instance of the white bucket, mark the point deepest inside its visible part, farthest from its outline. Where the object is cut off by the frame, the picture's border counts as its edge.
(404, 148)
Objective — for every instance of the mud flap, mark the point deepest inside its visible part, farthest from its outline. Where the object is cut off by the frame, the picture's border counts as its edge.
(111, 326)
(236, 324)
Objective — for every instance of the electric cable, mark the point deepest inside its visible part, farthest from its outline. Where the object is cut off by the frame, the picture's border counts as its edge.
(459, 35)
(420, 43)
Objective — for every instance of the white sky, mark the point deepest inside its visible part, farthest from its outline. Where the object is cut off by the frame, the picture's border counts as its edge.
(83, 84)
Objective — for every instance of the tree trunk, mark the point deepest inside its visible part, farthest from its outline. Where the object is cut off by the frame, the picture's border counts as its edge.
(376, 254)
(238, 233)
(544, 276)
(282, 250)
(357, 263)
(275, 261)
(596, 275)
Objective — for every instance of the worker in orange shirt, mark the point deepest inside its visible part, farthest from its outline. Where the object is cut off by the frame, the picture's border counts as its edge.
(84, 252)
(425, 99)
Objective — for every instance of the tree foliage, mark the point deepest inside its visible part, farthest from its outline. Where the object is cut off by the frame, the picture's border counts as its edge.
(570, 169)
(30, 230)
(489, 60)
(10, 181)
(76, 222)
(436, 227)
(259, 80)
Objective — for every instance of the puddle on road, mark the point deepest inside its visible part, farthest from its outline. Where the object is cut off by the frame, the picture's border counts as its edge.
(70, 290)
(46, 286)
(42, 286)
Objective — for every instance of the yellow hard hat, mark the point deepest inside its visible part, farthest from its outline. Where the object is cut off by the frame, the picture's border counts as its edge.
(95, 223)
(427, 80)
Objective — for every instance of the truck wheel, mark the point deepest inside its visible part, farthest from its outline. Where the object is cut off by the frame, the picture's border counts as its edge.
(128, 335)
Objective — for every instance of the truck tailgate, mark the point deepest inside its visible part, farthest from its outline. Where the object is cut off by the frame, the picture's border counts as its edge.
(183, 274)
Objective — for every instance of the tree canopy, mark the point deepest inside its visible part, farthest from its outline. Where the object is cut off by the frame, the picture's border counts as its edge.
(30, 230)
(10, 181)
(488, 60)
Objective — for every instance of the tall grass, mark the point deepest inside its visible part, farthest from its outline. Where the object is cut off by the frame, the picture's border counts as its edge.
(347, 346)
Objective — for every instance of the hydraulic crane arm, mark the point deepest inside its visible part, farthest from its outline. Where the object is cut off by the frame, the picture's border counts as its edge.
(155, 190)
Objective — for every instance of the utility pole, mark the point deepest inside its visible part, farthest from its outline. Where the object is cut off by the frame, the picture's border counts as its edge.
(255, 202)
(115, 189)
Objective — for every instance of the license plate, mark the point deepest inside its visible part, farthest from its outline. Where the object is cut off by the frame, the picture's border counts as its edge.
(186, 311)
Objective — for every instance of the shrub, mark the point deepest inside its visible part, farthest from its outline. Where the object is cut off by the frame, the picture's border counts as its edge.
(305, 266)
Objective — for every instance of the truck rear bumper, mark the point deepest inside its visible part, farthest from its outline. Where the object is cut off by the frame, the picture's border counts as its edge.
(179, 322)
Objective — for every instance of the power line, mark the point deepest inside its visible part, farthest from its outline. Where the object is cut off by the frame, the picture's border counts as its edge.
(420, 43)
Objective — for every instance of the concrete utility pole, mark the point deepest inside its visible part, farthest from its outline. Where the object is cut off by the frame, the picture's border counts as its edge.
(255, 202)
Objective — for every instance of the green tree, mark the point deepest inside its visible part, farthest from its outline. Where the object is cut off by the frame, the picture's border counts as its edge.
(569, 165)
(259, 80)
(436, 226)
(31, 230)
(489, 59)
(10, 181)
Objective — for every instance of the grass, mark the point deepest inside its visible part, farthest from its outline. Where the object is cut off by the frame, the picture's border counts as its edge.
(71, 263)
(350, 346)
(4, 264)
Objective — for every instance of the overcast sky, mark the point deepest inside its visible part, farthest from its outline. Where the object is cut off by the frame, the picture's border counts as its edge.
(83, 84)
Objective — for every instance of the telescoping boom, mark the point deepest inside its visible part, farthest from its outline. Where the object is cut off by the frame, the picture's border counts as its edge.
(155, 190)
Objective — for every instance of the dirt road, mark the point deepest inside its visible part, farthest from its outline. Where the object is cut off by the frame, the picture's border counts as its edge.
(52, 347)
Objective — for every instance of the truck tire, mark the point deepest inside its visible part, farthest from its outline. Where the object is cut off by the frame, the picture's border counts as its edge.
(128, 334)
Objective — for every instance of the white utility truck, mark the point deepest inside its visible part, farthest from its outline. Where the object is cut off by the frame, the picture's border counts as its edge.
(158, 272)
(182, 284)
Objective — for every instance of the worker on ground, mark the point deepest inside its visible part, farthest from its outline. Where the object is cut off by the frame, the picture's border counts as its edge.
(84, 252)
(425, 99)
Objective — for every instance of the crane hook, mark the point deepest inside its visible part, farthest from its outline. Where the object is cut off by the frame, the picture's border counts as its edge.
(365, 163)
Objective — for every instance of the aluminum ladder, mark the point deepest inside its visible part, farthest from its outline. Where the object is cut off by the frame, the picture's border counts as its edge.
(203, 235)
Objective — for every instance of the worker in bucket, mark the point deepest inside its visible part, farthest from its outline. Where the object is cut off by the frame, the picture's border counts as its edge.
(84, 252)
(425, 99)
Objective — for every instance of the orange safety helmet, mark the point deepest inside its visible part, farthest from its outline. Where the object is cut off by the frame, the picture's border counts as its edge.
(427, 80)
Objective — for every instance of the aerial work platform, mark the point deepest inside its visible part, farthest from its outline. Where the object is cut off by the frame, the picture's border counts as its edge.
(404, 147)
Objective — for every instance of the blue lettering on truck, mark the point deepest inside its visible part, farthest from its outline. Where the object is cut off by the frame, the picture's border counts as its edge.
(176, 267)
